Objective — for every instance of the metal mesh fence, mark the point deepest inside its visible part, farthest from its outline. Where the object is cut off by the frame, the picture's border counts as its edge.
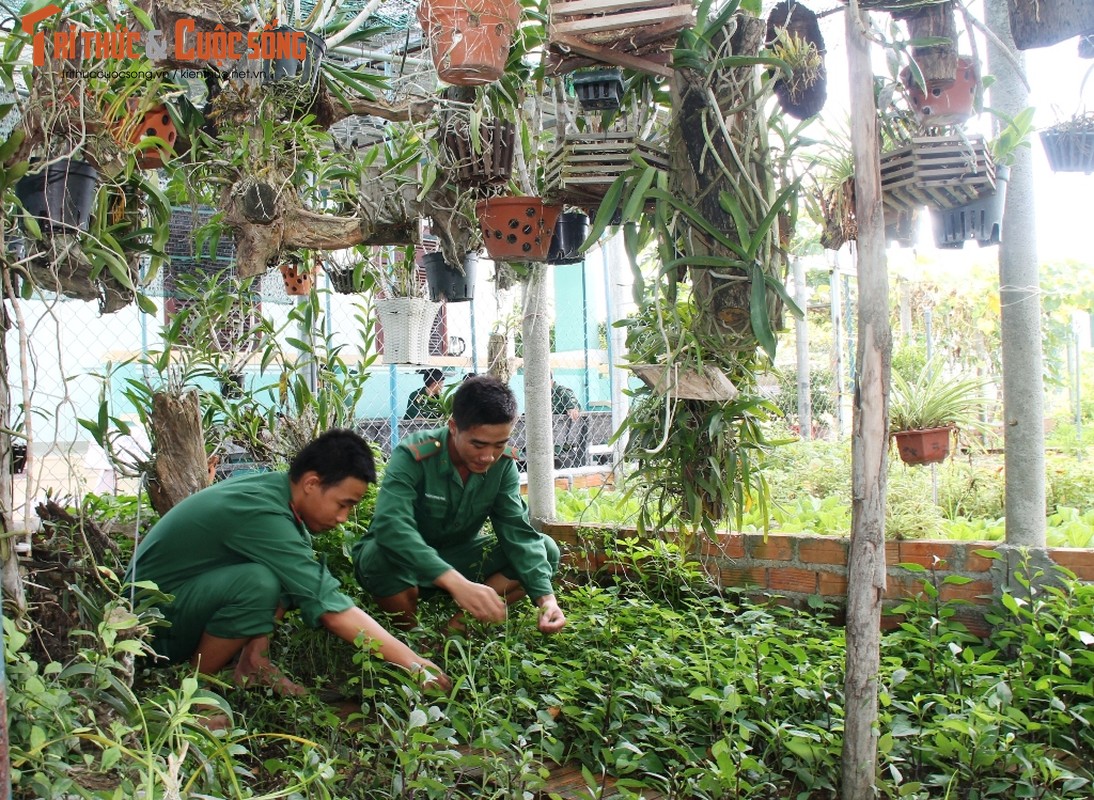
(70, 364)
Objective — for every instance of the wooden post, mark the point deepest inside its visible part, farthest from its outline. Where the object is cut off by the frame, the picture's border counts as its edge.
(869, 437)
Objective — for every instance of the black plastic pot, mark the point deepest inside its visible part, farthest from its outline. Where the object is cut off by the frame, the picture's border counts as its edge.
(61, 195)
(445, 281)
(1069, 151)
(291, 72)
(982, 219)
(570, 232)
(599, 89)
(18, 458)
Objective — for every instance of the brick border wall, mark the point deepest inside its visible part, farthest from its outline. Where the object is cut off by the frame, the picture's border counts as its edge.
(799, 566)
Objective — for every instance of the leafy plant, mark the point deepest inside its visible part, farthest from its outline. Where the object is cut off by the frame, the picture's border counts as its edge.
(933, 399)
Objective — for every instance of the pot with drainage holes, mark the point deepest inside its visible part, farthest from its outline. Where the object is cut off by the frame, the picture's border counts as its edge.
(517, 229)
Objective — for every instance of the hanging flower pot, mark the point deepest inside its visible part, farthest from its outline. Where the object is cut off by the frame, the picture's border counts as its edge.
(298, 278)
(490, 162)
(157, 124)
(794, 36)
(936, 171)
(1042, 23)
(447, 283)
(1070, 145)
(517, 229)
(405, 323)
(944, 102)
(570, 232)
(295, 71)
(469, 39)
(982, 219)
(928, 446)
(60, 194)
(599, 89)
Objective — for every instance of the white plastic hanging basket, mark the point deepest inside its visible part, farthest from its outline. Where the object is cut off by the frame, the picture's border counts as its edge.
(406, 323)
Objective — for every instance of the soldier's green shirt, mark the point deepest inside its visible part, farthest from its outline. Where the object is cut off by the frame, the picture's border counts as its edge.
(240, 520)
(421, 404)
(423, 506)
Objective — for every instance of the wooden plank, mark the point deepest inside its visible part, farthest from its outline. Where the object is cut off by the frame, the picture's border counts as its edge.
(615, 22)
(567, 9)
(611, 56)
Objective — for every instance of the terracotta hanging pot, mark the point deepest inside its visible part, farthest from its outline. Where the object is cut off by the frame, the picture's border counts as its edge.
(298, 279)
(948, 102)
(517, 229)
(156, 123)
(469, 39)
(928, 446)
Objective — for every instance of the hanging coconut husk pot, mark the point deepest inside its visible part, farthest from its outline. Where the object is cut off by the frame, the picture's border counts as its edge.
(1042, 23)
(936, 62)
(794, 35)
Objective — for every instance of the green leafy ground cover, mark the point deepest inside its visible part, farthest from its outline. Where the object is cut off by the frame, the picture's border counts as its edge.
(658, 680)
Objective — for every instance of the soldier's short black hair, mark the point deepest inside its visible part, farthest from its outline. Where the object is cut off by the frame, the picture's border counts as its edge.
(483, 400)
(431, 375)
(335, 455)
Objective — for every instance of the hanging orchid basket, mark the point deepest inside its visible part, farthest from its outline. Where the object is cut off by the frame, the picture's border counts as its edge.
(469, 39)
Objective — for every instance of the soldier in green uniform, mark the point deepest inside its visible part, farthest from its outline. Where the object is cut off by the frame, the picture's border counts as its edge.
(424, 403)
(236, 555)
(439, 488)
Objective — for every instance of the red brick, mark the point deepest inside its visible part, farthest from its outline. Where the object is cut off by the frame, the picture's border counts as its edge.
(1081, 562)
(975, 562)
(562, 483)
(742, 577)
(979, 592)
(932, 553)
(832, 584)
(789, 579)
(892, 553)
(776, 548)
(823, 550)
(724, 545)
(900, 587)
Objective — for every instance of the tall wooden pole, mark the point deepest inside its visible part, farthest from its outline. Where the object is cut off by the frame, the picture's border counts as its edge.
(869, 434)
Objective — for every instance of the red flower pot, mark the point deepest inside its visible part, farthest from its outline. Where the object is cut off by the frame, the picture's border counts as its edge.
(469, 39)
(517, 228)
(945, 102)
(157, 122)
(927, 446)
(298, 280)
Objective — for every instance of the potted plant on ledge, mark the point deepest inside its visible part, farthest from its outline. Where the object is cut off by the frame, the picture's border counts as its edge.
(927, 409)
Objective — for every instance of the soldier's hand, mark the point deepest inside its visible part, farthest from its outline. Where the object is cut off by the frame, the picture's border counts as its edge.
(480, 601)
(551, 619)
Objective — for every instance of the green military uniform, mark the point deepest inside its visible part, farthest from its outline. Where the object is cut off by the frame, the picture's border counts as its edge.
(562, 399)
(421, 404)
(428, 520)
(230, 554)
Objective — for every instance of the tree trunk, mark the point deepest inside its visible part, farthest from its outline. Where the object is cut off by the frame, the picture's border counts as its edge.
(181, 465)
(539, 436)
(869, 436)
(1020, 310)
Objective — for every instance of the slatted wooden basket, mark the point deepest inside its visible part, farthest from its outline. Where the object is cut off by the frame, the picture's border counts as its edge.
(636, 34)
(581, 168)
(939, 172)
